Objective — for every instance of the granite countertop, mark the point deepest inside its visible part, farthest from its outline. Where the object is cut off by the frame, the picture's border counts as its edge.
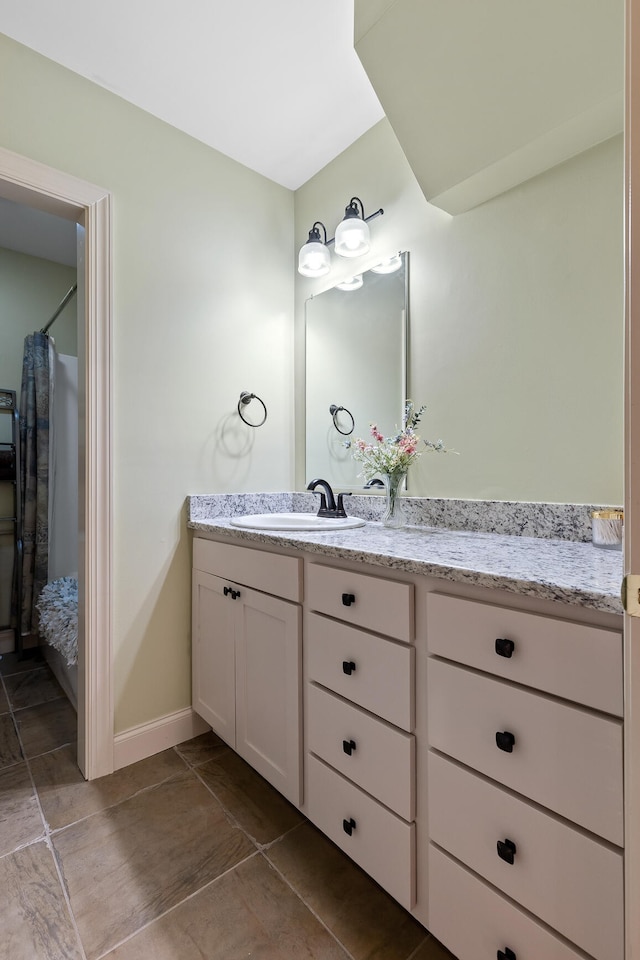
(551, 569)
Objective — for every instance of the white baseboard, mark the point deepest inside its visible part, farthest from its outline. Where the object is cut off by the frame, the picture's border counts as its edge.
(143, 741)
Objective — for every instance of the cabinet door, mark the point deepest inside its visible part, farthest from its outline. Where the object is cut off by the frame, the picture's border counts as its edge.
(268, 689)
(213, 655)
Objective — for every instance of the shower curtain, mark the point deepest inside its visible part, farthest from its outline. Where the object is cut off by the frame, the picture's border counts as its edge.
(35, 398)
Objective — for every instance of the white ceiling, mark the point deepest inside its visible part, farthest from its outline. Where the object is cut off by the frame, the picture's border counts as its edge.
(275, 84)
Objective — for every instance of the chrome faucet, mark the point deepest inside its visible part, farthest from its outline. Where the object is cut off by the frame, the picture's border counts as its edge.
(328, 505)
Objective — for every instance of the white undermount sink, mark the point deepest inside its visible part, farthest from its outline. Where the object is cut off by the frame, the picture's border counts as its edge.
(295, 521)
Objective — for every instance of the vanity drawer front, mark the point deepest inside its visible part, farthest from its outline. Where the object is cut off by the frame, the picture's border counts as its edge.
(563, 757)
(491, 922)
(571, 881)
(380, 842)
(385, 606)
(379, 673)
(377, 757)
(268, 572)
(570, 660)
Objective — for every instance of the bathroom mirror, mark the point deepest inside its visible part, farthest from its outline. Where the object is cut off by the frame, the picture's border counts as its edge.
(348, 331)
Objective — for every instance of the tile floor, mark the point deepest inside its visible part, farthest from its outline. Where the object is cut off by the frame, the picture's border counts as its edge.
(188, 855)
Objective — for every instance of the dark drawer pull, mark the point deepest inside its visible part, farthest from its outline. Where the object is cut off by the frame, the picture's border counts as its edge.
(349, 826)
(505, 648)
(506, 954)
(348, 746)
(227, 591)
(348, 599)
(348, 667)
(506, 850)
(505, 741)
(235, 594)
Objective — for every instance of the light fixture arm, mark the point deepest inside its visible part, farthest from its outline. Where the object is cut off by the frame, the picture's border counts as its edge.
(314, 233)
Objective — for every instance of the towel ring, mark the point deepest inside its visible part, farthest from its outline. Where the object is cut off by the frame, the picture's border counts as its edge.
(245, 398)
(334, 411)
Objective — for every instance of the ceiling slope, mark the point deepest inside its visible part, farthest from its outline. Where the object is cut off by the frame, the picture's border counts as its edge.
(483, 96)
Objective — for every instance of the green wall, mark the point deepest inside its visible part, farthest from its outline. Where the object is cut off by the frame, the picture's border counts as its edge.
(197, 312)
(516, 320)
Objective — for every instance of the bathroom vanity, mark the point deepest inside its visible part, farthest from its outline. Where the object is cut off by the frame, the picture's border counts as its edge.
(445, 706)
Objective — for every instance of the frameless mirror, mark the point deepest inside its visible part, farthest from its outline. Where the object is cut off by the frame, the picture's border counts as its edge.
(356, 362)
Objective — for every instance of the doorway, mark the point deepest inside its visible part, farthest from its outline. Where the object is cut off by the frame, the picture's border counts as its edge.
(27, 182)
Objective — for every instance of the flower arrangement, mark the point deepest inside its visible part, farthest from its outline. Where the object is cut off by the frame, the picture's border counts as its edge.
(393, 455)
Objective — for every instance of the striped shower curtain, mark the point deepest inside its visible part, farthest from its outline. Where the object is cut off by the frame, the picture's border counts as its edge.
(34, 448)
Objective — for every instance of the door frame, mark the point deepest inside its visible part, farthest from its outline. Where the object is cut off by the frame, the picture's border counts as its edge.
(26, 181)
(632, 477)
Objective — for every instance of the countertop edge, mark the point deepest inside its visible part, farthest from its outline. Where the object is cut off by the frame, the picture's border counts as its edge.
(317, 543)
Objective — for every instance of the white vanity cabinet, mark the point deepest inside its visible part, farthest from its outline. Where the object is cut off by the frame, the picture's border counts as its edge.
(360, 759)
(525, 783)
(247, 656)
(463, 745)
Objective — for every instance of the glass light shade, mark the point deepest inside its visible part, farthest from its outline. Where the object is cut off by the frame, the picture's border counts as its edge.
(352, 237)
(314, 259)
(390, 265)
(353, 283)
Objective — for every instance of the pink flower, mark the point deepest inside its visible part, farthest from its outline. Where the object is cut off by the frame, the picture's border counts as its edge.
(375, 433)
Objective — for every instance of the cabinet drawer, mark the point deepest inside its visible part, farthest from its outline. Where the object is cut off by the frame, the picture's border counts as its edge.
(385, 606)
(380, 842)
(377, 757)
(571, 881)
(379, 672)
(570, 660)
(268, 572)
(563, 757)
(491, 922)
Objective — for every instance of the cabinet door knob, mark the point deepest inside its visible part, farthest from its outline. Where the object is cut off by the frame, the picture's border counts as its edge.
(505, 741)
(348, 746)
(349, 826)
(348, 599)
(506, 850)
(235, 594)
(227, 591)
(505, 648)
(348, 667)
(506, 954)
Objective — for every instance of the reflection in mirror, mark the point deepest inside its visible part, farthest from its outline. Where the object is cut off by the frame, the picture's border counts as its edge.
(355, 368)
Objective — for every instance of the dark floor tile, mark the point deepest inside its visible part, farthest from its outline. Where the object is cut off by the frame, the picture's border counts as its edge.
(249, 912)
(432, 949)
(66, 796)
(11, 663)
(202, 748)
(127, 865)
(258, 808)
(35, 918)
(31, 688)
(20, 818)
(9, 744)
(370, 924)
(47, 726)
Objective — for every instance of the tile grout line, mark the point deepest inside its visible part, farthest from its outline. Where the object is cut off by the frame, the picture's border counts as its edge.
(47, 838)
(307, 905)
(195, 893)
(262, 848)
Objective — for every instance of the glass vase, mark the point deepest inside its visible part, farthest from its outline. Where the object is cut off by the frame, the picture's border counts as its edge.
(392, 516)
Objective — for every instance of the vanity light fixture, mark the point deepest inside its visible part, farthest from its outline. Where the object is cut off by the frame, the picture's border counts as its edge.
(352, 234)
(351, 240)
(314, 259)
(389, 265)
(352, 283)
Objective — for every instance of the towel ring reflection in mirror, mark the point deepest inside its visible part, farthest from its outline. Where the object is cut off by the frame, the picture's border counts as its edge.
(334, 411)
(245, 398)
